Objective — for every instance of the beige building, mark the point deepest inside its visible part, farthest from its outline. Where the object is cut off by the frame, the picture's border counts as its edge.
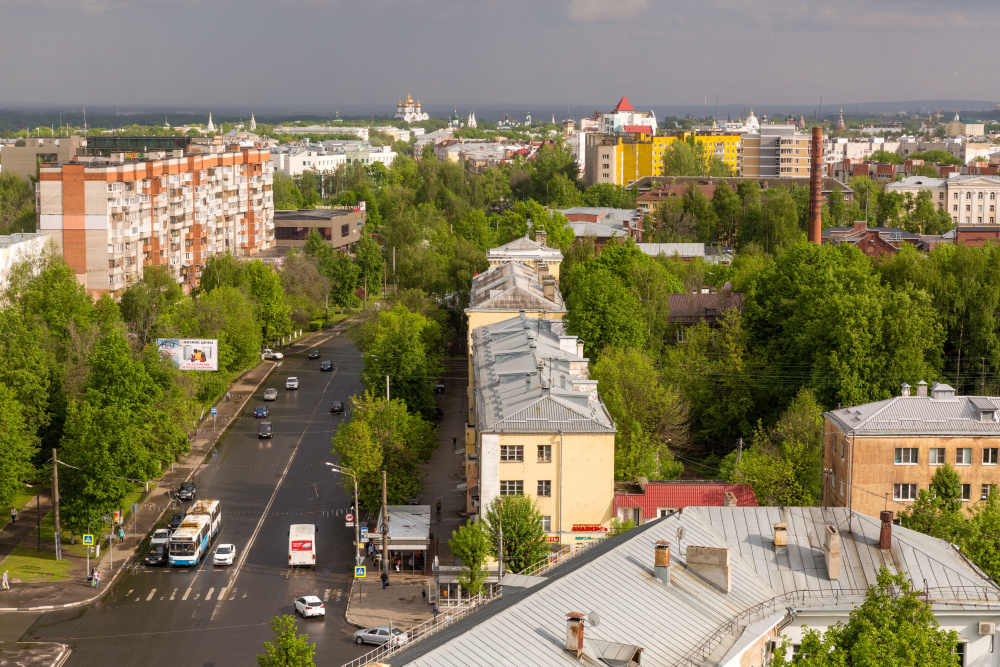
(24, 160)
(879, 455)
(526, 251)
(970, 200)
(777, 151)
(340, 226)
(541, 429)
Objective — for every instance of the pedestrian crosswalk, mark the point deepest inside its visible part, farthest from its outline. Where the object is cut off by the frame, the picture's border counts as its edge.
(207, 594)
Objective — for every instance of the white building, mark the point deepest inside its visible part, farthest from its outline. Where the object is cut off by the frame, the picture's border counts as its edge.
(294, 159)
(409, 111)
(17, 248)
(970, 200)
(624, 116)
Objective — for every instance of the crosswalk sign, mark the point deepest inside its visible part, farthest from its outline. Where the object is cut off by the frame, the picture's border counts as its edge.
(359, 571)
(88, 540)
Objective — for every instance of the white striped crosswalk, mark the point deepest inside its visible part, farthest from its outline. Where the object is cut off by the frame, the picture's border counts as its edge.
(208, 594)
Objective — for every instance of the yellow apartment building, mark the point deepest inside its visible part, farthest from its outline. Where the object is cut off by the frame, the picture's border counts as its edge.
(878, 456)
(541, 429)
(622, 160)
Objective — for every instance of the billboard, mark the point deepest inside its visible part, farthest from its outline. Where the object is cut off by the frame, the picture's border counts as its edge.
(191, 354)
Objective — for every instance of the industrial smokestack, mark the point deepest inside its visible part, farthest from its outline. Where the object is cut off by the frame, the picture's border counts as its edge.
(816, 188)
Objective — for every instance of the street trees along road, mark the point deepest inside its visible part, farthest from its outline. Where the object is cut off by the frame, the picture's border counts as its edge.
(470, 544)
(524, 542)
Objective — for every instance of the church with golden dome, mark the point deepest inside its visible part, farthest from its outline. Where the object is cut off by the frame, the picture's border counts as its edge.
(410, 112)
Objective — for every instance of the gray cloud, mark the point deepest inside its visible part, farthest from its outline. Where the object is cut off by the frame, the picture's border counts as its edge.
(592, 11)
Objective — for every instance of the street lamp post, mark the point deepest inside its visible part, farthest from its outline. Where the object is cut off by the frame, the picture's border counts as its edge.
(358, 558)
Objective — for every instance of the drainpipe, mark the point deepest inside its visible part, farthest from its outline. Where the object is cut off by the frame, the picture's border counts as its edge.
(560, 488)
(850, 476)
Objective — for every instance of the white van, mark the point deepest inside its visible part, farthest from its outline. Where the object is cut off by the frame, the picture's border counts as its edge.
(302, 545)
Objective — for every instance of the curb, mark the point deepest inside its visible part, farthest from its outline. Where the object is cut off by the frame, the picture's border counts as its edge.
(347, 607)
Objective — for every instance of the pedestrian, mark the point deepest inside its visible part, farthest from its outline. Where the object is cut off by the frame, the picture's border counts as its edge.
(13, 515)
(97, 578)
(435, 610)
(454, 441)
(121, 534)
(438, 505)
(6, 581)
(397, 565)
(384, 578)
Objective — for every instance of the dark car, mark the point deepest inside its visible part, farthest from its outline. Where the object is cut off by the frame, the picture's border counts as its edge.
(157, 555)
(176, 519)
(260, 412)
(314, 354)
(264, 430)
(337, 407)
(326, 366)
(187, 491)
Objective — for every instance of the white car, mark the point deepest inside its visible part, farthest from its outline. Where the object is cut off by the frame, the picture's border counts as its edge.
(271, 394)
(224, 554)
(380, 635)
(292, 383)
(272, 355)
(160, 536)
(310, 605)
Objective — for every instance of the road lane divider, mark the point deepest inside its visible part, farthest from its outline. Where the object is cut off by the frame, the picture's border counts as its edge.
(150, 596)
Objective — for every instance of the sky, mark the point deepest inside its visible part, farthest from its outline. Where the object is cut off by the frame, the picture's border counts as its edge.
(325, 53)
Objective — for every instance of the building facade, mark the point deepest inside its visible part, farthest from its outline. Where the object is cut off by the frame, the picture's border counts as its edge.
(777, 151)
(17, 248)
(112, 216)
(24, 160)
(970, 200)
(624, 159)
(340, 226)
(528, 252)
(410, 111)
(623, 117)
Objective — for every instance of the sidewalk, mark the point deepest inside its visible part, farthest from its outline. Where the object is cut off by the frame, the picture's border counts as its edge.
(403, 602)
(75, 591)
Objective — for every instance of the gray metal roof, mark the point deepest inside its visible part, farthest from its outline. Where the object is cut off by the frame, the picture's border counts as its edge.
(941, 413)
(524, 249)
(601, 230)
(512, 286)
(669, 621)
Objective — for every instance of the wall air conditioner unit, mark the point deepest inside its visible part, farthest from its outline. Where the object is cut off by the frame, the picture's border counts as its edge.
(987, 627)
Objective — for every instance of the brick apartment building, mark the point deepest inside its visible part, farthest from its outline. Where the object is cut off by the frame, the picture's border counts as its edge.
(112, 215)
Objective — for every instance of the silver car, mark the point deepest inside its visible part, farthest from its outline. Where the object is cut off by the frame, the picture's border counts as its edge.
(292, 383)
(271, 394)
(380, 635)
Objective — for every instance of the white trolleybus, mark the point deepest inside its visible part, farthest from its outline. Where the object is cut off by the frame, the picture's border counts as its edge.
(193, 538)
(302, 545)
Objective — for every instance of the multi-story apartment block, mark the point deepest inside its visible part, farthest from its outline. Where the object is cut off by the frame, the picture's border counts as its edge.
(970, 200)
(622, 159)
(111, 216)
(878, 455)
(24, 160)
(777, 151)
(531, 253)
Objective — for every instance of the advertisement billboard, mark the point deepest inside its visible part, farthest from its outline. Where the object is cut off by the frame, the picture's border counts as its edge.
(191, 354)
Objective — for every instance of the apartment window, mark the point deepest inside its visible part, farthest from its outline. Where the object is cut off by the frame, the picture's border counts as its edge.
(936, 457)
(990, 456)
(512, 453)
(993, 196)
(960, 652)
(966, 492)
(546, 523)
(968, 207)
(955, 196)
(544, 453)
(954, 207)
(907, 456)
(345, 230)
(899, 491)
(963, 456)
(544, 488)
(993, 208)
(843, 448)
(605, 166)
(985, 490)
(968, 195)
(979, 195)
(940, 195)
(511, 487)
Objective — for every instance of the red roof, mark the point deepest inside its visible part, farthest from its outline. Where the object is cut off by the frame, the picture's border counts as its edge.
(623, 105)
(645, 129)
(677, 495)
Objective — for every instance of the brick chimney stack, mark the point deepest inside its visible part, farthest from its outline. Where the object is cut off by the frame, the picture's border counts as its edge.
(885, 537)
(816, 187)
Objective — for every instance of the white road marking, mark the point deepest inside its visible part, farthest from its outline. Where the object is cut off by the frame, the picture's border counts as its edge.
(138, 598)
(339, 592)
(208, 596)
(150, 596)
(197, 595)
(129, 592)
(187, 593)
(326, 595)
(172, 595)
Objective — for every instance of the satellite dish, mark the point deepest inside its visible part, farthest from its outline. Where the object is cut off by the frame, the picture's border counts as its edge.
(594, 619)
(680, 533)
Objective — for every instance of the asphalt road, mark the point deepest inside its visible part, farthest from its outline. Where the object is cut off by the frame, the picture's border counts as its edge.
(219, 616)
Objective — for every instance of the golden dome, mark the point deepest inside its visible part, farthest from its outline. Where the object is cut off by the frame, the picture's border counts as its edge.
(399, 103)
(418, 103)
(409, 100)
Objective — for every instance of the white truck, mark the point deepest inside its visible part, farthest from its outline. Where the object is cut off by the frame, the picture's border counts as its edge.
(302, 545)
(272, 355)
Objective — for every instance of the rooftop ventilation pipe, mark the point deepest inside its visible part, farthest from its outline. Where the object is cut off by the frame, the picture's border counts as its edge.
(661, 564)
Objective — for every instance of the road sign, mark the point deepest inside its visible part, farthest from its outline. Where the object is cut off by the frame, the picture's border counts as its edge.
(359, 571)
(364, 534)
(118, 517)
(88, 540)
(213, 410)
(349, 520)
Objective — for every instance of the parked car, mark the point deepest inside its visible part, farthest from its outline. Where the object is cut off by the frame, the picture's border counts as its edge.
(337, 407)
(326, 366)
(439, 386)
(157, 555)
(314, 354)
(272, 355)
(292, 383)
(187, 491)
(380, 635)
(310, 605)
(260, 412)
(176, 519)
(160, 536)
(224, 554)
(271, 394)
(264, 430)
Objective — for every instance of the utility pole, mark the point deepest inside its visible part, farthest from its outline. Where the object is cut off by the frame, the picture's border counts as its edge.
(55, 501)
(385, 527)
(386, 388)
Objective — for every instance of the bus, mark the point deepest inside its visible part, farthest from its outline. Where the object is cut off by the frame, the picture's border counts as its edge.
(191, 540)
(302, 545)
(210, 508)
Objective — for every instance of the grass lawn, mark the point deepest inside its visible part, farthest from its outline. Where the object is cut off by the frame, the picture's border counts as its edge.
(22, 497)
(30, 566)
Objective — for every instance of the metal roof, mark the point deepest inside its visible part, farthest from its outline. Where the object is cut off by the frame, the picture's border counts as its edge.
(941, 413)
(512, 286)
(524, 248)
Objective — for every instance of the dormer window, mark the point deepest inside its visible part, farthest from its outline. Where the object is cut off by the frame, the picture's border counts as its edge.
(988, 415)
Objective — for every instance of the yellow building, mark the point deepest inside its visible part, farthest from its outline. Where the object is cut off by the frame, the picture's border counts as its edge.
(526, 251)
(622, 160)
(541, 428)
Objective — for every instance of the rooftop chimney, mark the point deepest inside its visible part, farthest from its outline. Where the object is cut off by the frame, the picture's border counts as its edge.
(549, 288)
(527, 383)
(831, 552)
(729, 499)
(904, 389)
(921, 388)
(540, 237)
(661, 564)
(579, 348)
(781, 535)
(885, 537)
(711, 564)
(574, 633)
(816, 188)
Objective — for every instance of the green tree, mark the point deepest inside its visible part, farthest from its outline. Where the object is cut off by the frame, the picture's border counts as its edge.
(265, 290)
(288, 648)
(605, 312)
(938, 510)
(287, 196)
(981, 539)
(17, 205)
(892, 627)
(618, 526)
(885, 157)
(20, 446)
(690, 157)
(470, 544)
(370, 263)
(518, 520)
(610, 195)
(926, 170)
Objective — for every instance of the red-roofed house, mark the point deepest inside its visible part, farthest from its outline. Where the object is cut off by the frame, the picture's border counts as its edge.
(623, 117)
(643, 501)
(623, 105)
(639, 129)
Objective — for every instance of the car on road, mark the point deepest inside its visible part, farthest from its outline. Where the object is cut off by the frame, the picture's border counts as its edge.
(160, 536)
(439, 386)
(224, 554)
(292, 383)
(380, 635)
(310, 605)
(314, 354)
(157, 555)
(260, 412)
(271, 394)
(187, 491)
(326, 366)
(337, 407)
(264, 430)
(176, 519)
(272, 355)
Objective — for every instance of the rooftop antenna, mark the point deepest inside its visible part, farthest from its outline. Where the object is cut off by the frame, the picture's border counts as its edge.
(680, 536)
(84, 121)
(716, 116)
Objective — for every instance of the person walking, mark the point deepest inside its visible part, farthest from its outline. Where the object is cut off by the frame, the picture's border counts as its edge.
(438, 505)
(121, 534)
(6, 582)
(454, 441)
(13, 515)
(385, 580)
(97, 577)
(436, 610)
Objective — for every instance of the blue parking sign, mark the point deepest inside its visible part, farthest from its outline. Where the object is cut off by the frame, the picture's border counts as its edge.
(213, 411)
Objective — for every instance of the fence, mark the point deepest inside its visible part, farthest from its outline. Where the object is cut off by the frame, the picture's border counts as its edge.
(564, 554)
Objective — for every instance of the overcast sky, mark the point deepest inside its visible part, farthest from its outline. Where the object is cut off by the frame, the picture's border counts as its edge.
(303, 53)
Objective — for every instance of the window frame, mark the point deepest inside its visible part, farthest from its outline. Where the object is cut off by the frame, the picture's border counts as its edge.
(940, 461)
(966, 493)
(543, 485)
(544, 454)
(966, 460)
(511, 487)
(911, 453)
(991, 453)
(911, 488)
(518, 455)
